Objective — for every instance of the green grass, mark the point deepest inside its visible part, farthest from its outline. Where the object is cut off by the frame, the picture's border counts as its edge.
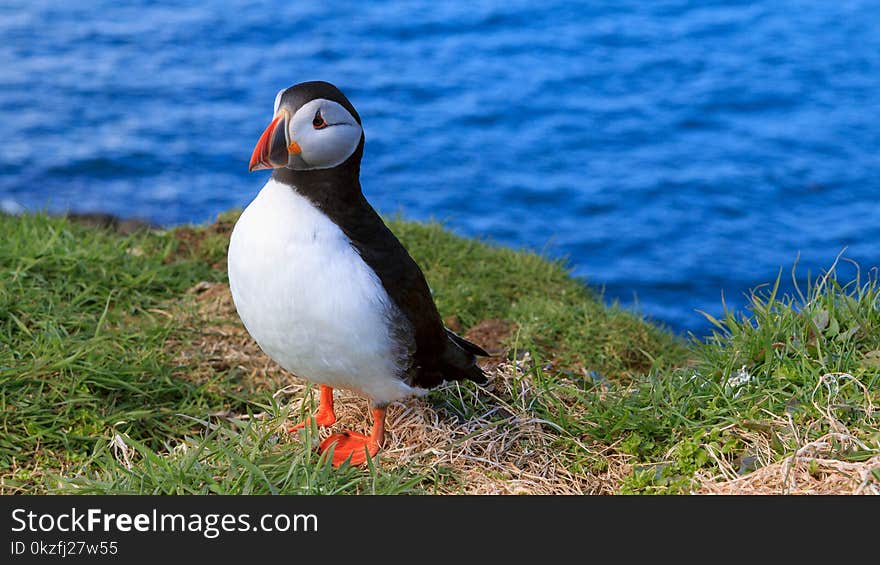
(82, 335)
(810, 363)
(92, 399)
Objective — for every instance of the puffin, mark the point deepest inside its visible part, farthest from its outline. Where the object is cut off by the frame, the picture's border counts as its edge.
(322, 284)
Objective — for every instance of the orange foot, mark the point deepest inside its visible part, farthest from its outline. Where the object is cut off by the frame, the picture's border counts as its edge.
(350, 444)
(325, 416)
(354, 447)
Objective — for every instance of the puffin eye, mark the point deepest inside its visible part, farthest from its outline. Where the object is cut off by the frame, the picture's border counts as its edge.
(318, 122)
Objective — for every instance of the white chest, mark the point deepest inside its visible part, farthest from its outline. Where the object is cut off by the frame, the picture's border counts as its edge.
(309, 300)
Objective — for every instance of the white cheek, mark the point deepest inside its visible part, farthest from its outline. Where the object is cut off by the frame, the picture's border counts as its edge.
(327, 147)
(330, 146)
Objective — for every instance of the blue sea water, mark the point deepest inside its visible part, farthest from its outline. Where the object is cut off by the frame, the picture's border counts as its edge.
(671, 150)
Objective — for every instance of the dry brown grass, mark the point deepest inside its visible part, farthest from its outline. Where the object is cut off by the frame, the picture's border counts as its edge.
(819, 466)
(811, 470)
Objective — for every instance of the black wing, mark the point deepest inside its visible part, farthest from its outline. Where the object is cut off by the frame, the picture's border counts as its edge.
(439, 354)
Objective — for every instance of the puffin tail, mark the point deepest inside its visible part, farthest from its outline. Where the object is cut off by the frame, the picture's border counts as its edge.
(471, 348)
(459, 360)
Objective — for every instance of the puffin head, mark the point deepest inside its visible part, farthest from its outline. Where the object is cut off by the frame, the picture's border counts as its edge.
(314, 127)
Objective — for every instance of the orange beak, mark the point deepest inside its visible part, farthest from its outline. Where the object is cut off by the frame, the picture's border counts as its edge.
(273, 150)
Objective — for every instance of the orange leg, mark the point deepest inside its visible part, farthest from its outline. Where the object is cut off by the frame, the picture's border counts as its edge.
(354, 445)
(324, 416)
